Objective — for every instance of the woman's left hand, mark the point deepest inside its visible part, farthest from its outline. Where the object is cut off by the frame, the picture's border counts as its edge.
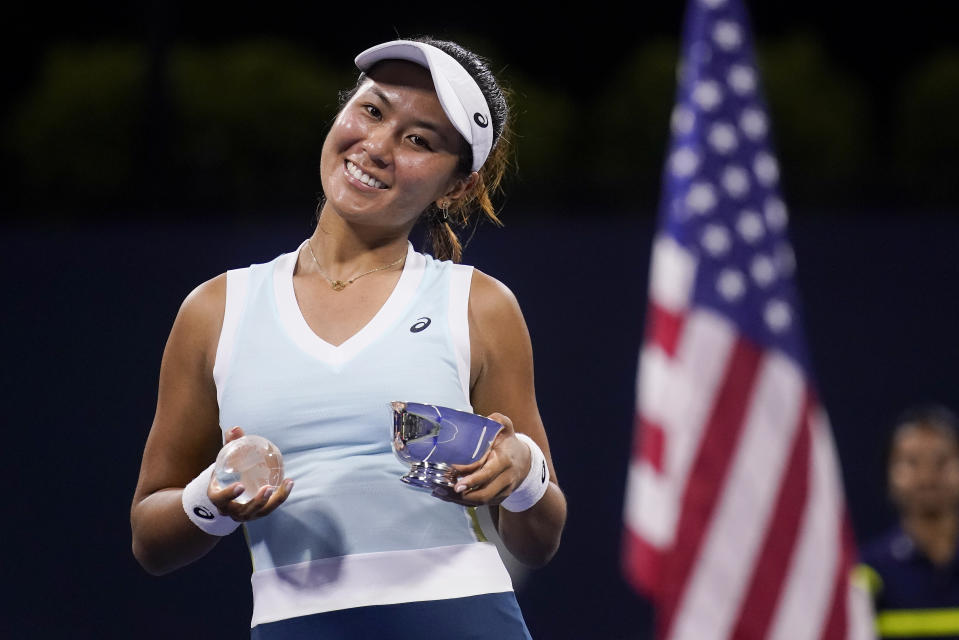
(491, 479)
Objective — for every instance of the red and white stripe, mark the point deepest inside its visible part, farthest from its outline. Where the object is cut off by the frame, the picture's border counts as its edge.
(735, 516)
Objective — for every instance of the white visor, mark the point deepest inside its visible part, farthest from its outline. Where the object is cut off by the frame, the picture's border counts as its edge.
(459, 95)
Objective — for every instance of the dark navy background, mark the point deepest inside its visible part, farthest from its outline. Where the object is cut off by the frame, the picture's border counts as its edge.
(87, 311)
(89, 291)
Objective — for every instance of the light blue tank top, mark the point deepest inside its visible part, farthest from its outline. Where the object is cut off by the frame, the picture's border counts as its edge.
(349, 518)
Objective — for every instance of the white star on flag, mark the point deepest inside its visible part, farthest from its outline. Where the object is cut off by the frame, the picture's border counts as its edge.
(735, 515)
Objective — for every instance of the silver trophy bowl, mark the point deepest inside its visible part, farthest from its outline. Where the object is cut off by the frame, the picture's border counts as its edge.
(430, 439)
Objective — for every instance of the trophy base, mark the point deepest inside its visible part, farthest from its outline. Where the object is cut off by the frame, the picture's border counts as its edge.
(429, 475)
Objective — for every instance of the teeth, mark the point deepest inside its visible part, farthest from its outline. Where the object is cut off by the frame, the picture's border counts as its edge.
(365, 178)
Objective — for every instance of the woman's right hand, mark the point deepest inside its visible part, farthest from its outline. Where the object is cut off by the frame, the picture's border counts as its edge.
(263, 503)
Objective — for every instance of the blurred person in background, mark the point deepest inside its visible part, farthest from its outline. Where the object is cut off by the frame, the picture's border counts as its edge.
(911, 571)
(310, 349)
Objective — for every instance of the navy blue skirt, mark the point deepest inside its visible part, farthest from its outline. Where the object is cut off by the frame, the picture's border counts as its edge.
(491, 616)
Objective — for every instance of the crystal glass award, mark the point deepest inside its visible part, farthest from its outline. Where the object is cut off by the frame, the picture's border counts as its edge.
(251, 460)
(430, 438)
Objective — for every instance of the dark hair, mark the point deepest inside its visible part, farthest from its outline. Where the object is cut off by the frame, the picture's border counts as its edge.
(932, 415)
(439, 226)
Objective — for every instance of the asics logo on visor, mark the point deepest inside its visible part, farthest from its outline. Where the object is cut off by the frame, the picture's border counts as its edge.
(481, 120)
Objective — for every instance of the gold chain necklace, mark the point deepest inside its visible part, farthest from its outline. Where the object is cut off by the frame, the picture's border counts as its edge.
(339, 285)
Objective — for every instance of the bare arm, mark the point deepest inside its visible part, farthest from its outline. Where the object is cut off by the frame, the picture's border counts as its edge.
(502, 383)
(184, 440)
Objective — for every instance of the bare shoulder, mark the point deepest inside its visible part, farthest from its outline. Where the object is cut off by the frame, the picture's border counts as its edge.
(200, 317)
(499, 337)
(491, 301)
(206, 299)
(185, 435)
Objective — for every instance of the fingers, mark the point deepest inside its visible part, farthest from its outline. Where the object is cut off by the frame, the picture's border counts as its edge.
(491, 479)
(266, 500)
(222, 497)
(474, 497)
(463, 469)
(485, 483)
(484, 486)
(503, 420)
(477, 474)
(276, 497)
(233, 434)
(263, 503)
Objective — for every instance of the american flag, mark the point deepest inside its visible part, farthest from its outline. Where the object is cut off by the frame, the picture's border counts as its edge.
(735, 518)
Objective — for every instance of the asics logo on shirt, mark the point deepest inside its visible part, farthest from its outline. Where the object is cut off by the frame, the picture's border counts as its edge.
(421, 323)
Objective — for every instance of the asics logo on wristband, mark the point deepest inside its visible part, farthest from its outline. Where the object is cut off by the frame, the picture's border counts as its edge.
(536, 483)
(203, 512)
(200, 509)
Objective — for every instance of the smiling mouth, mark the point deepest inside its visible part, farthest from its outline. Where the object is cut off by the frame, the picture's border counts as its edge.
(363, 177)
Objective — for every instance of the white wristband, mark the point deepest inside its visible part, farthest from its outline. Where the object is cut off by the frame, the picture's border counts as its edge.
(536, 483)
(201, 511)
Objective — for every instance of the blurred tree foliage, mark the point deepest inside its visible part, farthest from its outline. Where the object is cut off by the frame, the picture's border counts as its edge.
(927, 143)
(627, 135)
(821, 123)
(608, 147)
(544, 127)
(245, 123)
(75, 135)
(252, 117)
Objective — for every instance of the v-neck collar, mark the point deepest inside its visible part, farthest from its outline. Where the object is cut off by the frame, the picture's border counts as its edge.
(295, 325)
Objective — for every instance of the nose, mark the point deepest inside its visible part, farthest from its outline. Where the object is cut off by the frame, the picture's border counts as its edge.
(378, 144)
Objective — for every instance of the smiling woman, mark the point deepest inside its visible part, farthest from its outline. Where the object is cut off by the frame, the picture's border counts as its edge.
(310, 350)
(482, 139)
(392, 152)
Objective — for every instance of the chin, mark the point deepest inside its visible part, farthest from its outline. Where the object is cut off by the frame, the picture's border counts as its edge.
(348, 204)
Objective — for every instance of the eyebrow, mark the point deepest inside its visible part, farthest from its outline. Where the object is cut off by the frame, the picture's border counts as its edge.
(426, 124)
